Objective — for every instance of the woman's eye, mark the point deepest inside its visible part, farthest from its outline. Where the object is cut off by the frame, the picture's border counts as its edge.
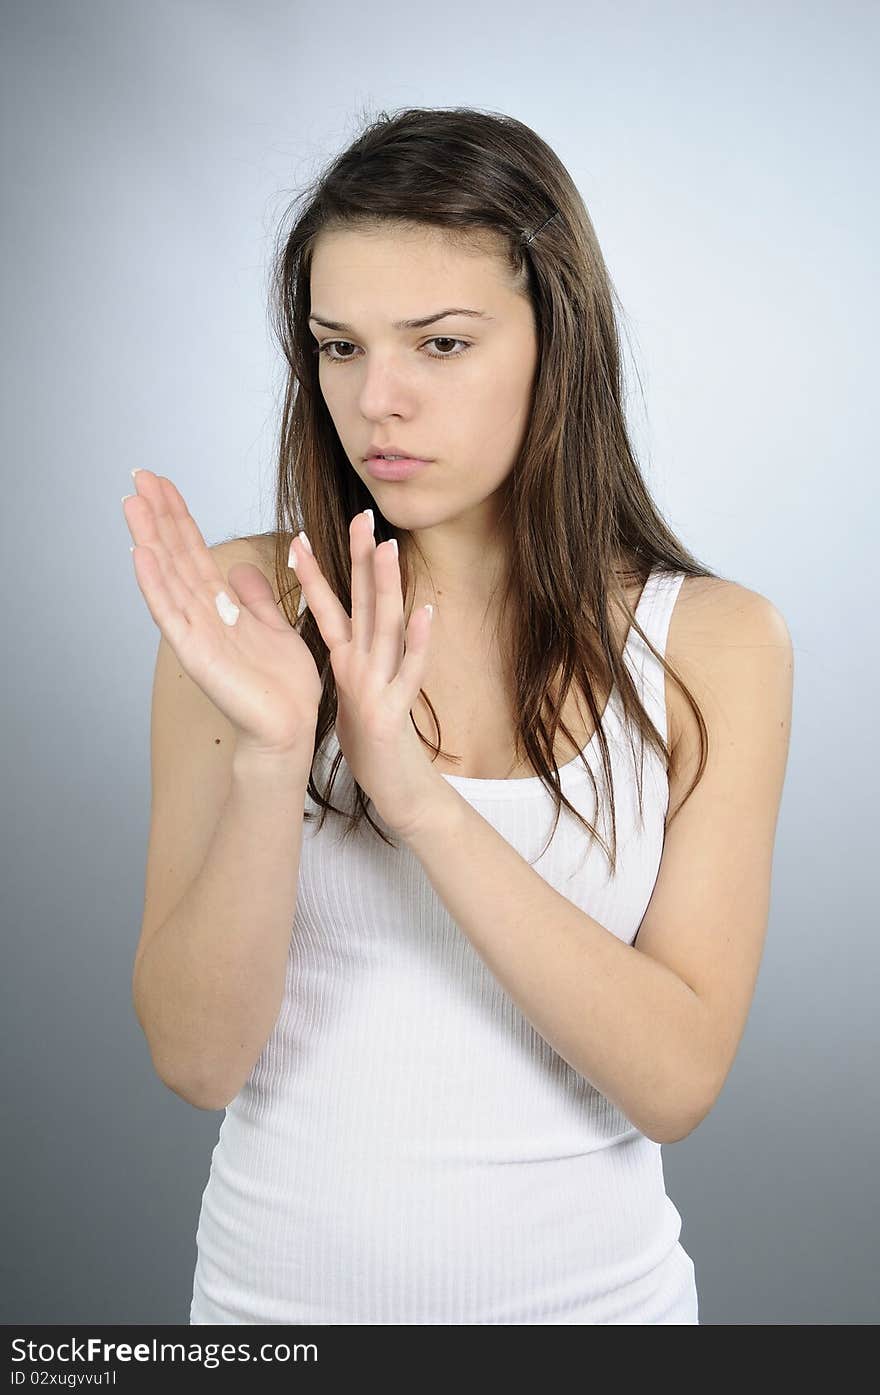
(438, 339)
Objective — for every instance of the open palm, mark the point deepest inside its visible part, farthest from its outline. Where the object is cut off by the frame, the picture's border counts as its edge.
(252, 665)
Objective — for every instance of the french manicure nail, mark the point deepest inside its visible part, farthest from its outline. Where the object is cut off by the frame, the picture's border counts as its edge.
(369, 513)
(291, 558)
(135, 470)
(394, 545)
(305, 542)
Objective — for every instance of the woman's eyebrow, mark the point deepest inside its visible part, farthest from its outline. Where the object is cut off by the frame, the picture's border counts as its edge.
(406, 324)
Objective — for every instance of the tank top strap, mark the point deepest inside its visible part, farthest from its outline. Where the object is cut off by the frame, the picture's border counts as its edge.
(654, 613)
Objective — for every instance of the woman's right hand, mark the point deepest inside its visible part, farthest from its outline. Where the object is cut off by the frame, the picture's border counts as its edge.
(257, 671)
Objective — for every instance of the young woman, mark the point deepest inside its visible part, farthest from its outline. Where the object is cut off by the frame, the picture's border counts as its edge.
(454, 992)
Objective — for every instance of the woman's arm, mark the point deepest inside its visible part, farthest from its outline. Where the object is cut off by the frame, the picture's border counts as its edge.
(654, 1026)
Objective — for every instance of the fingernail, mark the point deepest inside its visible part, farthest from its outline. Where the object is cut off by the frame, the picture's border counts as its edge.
(128, 496)
(135, 470)
(394, 545)
(369, 513)
(305, 542)
(291, 558)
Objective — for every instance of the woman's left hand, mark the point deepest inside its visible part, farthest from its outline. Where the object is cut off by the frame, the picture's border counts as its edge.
(377, 682)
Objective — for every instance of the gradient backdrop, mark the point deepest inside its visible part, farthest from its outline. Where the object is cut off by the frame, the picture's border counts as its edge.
(726, 153)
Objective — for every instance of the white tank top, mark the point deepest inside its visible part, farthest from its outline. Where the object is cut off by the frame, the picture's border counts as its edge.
(408, 1148)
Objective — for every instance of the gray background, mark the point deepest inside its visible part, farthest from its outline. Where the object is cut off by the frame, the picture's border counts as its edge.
(725, 154)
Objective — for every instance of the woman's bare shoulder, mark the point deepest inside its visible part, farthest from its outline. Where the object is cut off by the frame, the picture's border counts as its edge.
(712, 613)
(707, 609)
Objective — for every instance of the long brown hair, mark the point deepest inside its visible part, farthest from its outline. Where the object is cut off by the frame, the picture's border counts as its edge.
(579, 510)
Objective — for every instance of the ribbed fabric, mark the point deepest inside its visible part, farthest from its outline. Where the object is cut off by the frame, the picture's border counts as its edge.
(408, 1149)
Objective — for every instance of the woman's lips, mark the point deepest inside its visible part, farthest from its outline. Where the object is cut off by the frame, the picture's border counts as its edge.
(402, 469)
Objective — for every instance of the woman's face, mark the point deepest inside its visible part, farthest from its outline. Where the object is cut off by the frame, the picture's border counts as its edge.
(457, 392)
